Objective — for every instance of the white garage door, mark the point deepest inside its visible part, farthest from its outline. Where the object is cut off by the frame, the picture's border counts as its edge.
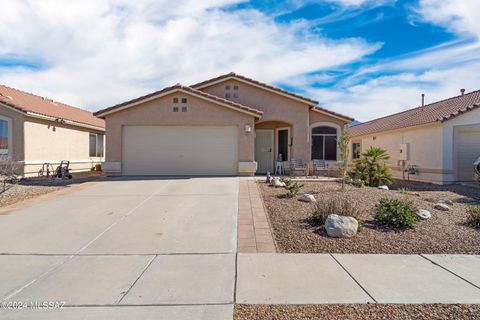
(467, 144)
(189, 150)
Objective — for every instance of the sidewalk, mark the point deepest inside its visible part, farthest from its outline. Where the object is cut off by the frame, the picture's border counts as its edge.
(357, 278)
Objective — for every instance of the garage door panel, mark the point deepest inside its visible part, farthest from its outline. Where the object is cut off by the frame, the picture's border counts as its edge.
(182, 150)
(468, 150)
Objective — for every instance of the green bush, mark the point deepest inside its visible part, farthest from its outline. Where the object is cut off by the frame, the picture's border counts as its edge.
(372, 168)
(396, 213)
(341, 207)
(293, 188)
(473, 219)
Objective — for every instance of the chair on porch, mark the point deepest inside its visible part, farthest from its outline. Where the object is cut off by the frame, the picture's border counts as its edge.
(297, 165)
(320, 166)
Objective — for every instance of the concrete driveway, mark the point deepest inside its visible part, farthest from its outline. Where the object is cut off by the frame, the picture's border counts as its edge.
(159, 248)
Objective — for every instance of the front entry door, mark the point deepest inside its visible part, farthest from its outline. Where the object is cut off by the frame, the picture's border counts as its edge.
(264, 141)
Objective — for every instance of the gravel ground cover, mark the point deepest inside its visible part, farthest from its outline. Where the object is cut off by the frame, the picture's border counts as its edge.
(357, 311)
(31, 188)
(445, 232)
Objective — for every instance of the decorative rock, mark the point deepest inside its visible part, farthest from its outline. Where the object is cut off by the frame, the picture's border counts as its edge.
(447, 202)
(306, 197)
(277, 183)
(424, 214)
(341, 226)
(383, 187)
(442, 207)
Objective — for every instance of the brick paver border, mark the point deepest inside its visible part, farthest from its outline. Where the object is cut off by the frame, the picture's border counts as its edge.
(254, 232)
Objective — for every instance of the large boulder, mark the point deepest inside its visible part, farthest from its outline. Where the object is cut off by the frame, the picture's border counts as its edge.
(442, 207)
(424, 214)
(277, 183)
(383, 187)
(341, 226)
(306, 197)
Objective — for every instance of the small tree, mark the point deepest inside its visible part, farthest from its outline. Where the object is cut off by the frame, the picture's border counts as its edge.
(8, 171)
(344, 146)
(293, 188)
(372, 167)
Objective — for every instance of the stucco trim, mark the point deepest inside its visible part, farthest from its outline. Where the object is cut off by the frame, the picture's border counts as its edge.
(209, 84)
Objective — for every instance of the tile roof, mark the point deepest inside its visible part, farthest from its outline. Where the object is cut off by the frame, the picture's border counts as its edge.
(439, 111)
(320, 109)
(27, 102)
(267, 86)
(235, 105)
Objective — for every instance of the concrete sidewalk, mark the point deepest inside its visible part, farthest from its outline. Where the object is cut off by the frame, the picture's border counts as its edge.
(357, 278)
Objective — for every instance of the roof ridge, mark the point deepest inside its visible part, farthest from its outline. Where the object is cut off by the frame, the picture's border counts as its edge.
(233, 74)
(180, 87)
(44, 98)
(416, 108)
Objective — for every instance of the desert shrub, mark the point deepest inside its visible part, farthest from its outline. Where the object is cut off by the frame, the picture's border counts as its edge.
(341, 207)
(372, 168)
(396, 213)
(293, 188)
(473, 218)
(356, 182)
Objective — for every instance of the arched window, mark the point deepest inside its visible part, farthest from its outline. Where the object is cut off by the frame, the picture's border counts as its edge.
(324, 143)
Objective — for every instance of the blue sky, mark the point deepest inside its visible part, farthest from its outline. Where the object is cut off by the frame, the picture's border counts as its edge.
(363, 58)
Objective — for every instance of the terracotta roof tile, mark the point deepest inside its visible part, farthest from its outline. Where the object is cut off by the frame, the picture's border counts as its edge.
(187, 89)
(27, 102)
(435, 112)
(233, 74)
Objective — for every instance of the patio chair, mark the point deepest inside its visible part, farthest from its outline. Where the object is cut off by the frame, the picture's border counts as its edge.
(320, 166)
(297, 165)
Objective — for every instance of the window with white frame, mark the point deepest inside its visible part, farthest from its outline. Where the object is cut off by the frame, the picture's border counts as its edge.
(5, 135)
(356, 150)
(324, 143)
(96, 145)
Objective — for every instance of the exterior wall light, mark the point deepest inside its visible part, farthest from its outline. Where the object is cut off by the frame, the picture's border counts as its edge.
(248, 128)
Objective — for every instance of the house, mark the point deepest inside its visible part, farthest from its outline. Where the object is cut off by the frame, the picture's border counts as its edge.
(228, 125)
(439, 141)
(36, 130)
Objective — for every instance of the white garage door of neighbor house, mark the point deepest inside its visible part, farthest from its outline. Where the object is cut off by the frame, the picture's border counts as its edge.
(467, 145)
(185, 150)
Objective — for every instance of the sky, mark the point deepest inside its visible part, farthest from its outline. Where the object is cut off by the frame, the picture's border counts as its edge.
(362, 58)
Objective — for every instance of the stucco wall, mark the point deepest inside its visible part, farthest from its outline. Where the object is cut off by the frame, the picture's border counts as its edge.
(425, 150)
(275, 108)
(46, 141)
(158, 112)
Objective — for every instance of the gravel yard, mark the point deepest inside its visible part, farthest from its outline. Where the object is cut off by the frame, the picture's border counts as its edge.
(31, 188)
(357, 311)
(444, 232)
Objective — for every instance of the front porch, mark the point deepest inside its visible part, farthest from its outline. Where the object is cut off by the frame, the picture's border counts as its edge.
(279, 142)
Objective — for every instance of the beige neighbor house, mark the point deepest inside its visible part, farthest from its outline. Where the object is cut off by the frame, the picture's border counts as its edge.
(440, 141)
(35, 130)
(229, 125)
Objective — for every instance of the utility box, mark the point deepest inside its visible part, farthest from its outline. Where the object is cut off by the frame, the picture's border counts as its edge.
(403, 152)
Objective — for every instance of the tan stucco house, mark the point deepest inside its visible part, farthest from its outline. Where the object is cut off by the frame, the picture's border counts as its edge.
(35, 130)
(228, 125)
(439, 141)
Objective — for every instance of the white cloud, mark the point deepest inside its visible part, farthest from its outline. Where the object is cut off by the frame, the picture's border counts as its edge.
(460, 16)
(97, 53)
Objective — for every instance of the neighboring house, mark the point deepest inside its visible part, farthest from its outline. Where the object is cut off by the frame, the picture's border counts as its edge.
(229, 125)
(440, 140)
(35, 130)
